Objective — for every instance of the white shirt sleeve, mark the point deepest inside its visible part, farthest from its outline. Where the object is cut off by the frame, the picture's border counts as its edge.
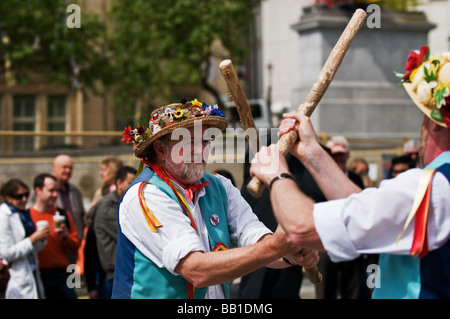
(369, 222)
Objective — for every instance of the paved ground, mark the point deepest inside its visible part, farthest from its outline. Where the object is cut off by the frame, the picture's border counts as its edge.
(307, 290)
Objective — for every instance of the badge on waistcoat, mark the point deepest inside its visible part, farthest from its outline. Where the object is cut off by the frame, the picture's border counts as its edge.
(214, 219)
(220, 246)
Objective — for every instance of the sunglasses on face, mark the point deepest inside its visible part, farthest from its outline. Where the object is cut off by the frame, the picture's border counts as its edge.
(21, 196)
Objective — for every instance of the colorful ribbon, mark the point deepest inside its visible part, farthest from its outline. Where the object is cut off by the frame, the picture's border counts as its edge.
(162, 174)
(420, 210)
(184, 206)
(152, 221)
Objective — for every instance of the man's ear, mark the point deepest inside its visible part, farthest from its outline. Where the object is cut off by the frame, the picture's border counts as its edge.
(438, 128)
(37, 191)
(160, 150)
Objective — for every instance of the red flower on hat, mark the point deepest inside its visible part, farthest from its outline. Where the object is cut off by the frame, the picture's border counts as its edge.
(140, 130)
(445, 111)
(415, 59)
(127, 137)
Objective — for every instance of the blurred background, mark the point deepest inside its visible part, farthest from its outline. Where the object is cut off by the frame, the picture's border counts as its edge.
(72, 77)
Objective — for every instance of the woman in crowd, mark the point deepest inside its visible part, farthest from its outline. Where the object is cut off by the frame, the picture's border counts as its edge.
(20, 242)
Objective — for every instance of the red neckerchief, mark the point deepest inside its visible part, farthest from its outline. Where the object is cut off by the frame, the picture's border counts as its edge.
(190, 190)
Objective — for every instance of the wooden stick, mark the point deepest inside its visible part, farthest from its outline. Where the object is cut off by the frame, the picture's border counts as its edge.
(246, 117)
(239, 98)
(255, 187)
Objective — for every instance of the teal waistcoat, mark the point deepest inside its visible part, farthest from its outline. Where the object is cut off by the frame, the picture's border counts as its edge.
(151, 281)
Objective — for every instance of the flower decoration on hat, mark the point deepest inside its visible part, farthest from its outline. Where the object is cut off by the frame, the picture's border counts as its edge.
(136, 135)
(170, 115)
(427, 81)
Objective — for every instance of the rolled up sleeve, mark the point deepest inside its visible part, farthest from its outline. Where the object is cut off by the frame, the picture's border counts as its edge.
(332, 231)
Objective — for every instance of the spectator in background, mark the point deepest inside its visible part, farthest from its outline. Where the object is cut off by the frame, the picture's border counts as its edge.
(20, 242)
(69, 197)
(360, 167)
(226, 174)
(411, 148)
(400, 164)
(97, 284)
(342, 278)
(109, 166)
(106, 225)
(53, 259)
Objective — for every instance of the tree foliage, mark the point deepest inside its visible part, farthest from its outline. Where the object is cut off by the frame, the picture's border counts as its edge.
(158, 44)
(142, 49)
(35, 37)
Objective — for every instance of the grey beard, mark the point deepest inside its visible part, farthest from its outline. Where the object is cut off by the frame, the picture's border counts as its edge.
(191, 173)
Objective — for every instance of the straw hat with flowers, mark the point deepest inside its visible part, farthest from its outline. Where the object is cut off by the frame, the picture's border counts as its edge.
(427, 81)
(166, 119)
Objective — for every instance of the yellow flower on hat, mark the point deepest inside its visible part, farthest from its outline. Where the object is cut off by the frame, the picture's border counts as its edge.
(178, 114)
(195, 102)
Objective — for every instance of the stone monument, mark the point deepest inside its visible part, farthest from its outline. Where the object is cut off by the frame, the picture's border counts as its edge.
(364, 100)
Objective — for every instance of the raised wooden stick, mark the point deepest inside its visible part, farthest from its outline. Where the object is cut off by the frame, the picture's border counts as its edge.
(255, 186)
(246, 117)
(239, 98)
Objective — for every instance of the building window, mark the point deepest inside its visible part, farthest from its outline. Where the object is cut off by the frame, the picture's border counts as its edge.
(56, 119)
(24, 119)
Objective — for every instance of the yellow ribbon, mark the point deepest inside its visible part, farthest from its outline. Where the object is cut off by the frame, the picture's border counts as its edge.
(152, 221)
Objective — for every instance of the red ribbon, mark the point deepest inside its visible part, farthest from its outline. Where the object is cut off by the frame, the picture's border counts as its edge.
(420, 242)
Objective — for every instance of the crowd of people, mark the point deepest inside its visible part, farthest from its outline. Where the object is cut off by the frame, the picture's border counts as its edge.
(172, 230)
(46, 228)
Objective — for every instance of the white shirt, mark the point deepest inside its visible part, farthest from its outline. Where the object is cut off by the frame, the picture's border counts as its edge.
(370, 221)
(177, 238)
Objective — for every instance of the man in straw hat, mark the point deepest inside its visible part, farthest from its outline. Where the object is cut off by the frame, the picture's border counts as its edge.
(406, 219)
(184, 233)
